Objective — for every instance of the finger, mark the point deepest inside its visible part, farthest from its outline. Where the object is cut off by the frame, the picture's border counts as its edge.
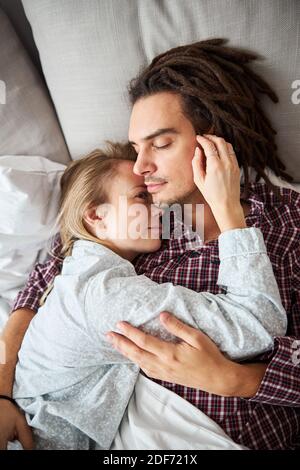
(3, 444)
(131, 350)
(221, 146)
(198, 164)
(209, 148)
(145, 341)
(232, 154)
(181, 330)
(24, 434)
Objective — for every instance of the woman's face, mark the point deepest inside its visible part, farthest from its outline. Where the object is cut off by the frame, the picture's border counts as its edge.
(130, 223)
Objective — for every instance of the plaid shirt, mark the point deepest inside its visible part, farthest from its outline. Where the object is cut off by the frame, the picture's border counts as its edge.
(270, 419)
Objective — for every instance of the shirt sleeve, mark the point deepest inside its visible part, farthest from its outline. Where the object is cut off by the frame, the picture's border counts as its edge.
(281, 383)
(40, 279)
(242, 321)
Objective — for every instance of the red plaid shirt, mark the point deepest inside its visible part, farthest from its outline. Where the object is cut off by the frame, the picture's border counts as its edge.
(270, 419)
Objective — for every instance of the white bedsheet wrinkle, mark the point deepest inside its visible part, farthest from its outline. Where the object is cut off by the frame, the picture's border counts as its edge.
(156, 418)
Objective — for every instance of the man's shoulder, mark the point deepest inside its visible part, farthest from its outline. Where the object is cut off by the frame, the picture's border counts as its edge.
(279, 206)
(286, 194)
(277, 214)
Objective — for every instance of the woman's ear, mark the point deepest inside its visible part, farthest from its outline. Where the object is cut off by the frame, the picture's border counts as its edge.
(95, 220)
(91, 216)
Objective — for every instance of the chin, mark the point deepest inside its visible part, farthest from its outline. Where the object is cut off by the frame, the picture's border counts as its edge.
(161, 198)
(174, 198)
(152, 247)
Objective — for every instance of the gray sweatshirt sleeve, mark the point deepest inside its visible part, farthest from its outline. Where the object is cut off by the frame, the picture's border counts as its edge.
(242, 322)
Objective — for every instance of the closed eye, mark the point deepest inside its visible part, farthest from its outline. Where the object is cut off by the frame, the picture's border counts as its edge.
(161, 147)
(143, 195)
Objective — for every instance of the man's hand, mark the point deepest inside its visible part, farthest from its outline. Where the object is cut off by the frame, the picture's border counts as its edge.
(14, 426)
(217, 175)
(194, 362)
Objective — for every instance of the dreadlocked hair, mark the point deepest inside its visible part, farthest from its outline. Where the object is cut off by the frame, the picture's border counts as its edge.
(220, 94)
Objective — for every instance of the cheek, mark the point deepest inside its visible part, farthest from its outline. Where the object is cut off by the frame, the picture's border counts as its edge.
(181, 164)
(138, 219)
(182, 175)
(187, 169)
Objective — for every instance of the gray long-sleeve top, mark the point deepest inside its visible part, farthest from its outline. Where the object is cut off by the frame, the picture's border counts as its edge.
(70, 381)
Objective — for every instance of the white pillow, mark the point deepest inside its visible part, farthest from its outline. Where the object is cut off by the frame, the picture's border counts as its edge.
(29, 193)
(273, 178)
(29, 125)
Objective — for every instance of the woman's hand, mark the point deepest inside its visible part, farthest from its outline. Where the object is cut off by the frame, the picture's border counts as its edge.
(217, 175)
(13, 425)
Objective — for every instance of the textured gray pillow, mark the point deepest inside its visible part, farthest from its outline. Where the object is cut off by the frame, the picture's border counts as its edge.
(28, 123)
(90, 50)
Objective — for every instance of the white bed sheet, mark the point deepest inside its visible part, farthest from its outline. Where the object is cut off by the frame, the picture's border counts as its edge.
(156, 418)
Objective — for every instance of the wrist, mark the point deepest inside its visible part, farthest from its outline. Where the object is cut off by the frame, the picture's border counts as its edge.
(229, 218)
(9, 399)
(244, 380)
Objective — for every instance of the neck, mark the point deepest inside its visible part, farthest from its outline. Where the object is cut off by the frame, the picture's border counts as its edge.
(129, 255)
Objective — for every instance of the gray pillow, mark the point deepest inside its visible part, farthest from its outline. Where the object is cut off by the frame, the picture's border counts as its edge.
(29, 125)
(91, 49)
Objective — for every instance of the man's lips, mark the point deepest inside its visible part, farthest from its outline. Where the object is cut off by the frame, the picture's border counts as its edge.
(153, 187)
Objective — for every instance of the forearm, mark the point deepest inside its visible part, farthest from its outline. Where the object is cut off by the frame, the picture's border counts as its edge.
(281, 382)
(247, 274)
(275, 382)
(243, 380)
(229, 217)
(12, 337)
(243, 321)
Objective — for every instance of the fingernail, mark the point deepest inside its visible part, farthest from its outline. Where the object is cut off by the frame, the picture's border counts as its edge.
(109, 337)
(164, 316)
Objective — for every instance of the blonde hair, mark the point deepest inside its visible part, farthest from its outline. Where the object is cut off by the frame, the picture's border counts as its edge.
(85, 184)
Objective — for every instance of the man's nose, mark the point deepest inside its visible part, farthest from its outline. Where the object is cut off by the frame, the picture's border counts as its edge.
(144, 164)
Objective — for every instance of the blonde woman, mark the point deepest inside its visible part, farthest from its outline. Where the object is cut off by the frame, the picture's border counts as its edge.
(72, 384)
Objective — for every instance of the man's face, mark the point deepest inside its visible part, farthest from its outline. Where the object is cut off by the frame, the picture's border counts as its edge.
(165, 141)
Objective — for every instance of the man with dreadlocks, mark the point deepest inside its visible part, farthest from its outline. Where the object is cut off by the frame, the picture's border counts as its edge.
(203, 95)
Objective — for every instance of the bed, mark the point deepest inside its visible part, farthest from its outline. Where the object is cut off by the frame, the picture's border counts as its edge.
(64, 71)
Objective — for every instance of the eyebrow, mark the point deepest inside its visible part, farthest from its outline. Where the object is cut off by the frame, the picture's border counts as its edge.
(157, 133)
